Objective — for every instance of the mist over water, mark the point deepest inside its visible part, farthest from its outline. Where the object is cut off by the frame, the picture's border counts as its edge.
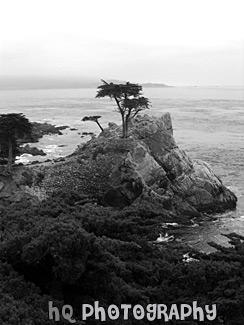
(208, 124)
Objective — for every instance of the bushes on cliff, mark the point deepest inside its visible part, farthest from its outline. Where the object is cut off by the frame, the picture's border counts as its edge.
(77, 254)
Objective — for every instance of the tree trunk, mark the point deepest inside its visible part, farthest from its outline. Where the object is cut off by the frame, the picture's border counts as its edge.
(126, 125)
(99, 125)
(10, 155)
(123, 127)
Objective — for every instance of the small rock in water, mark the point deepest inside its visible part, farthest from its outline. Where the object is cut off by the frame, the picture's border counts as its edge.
(34, 151)
(61, 127)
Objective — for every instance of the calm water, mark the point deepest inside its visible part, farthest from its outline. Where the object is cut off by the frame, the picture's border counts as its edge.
(208, 124)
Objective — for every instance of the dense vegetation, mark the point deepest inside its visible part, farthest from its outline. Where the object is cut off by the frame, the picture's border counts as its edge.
(70, 253)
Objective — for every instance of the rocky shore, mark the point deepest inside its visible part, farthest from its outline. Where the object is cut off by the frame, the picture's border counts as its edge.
(38, 131)
(41, 129)
(146, 168)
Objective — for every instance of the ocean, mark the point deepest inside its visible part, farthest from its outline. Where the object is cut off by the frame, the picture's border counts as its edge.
(208, 124)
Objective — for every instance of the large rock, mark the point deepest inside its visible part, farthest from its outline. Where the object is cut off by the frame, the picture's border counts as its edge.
(34, 151)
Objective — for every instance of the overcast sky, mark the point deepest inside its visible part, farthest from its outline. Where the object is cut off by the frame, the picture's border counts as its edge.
(177, 42)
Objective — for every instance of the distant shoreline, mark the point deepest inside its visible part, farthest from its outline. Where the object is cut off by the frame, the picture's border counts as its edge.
(85, 86)
(146, 85)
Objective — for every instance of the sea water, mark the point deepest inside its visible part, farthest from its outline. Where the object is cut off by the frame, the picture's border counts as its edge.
(208, 124)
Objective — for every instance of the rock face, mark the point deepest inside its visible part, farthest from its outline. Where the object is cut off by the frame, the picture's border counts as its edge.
(145, 168)
(155, 169)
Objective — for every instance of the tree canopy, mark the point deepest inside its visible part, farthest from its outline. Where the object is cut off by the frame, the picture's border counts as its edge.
(93, 119)
(13, 126)
(128, 98)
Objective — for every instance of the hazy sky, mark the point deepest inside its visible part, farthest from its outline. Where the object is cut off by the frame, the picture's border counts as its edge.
(177, 42)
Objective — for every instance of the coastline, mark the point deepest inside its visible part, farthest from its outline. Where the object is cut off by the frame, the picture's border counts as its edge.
(207, 125)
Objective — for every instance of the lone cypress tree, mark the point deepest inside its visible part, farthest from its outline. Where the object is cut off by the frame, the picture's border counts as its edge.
(13, 127)
(128, 98)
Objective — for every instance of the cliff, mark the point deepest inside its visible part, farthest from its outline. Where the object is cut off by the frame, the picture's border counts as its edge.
(146, 168)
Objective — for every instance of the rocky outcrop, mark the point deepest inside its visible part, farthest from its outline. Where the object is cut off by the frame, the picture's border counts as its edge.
(146, 168)
(34, 151)
(41, 129)
(156, 170)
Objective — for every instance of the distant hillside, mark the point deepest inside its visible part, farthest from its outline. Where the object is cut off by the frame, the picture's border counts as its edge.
(144, 85)
(60, 83)
(154, 85)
